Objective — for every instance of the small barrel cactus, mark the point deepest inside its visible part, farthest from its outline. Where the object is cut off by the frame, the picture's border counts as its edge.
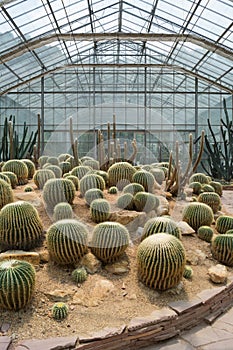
(20, 226)
(205, 233)
(41, 176)
(222, 248)
(146, 179)
(79, 275)
(125, 201)
(100, 210)
(28, 189)
(74, 179)
(92, 194)
(67, 241)
(17, 281)
(6, 193)
(63, 157)
(103, 174)
(62, 211)
(80, 171)
(60, 311)
(161, 224)
(42, 160)
(91, 181)
(12, 177)
(53, 160)
(92, 163)
(109, 241)
(19, 168)
(145, 201)
(56, 170)
(133, 188)
(120, 174)
(5, 178)
(196, 186)
(199, 177)
(113, 190)
(31, 167)
(158, 175)
(65, 167)
(161, 261)
(188, 272)
(207, 188)
(217, 187)
(197, 214)
(212, 199)
(224, 223)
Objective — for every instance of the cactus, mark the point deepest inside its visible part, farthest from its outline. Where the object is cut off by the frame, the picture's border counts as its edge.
(20, 226)
(79, 275)
(58, 190)
(144, 178)
(74, 179)
(17, 281)
(212, 199)
(63, 157)
(42, 160)
(65, 167)
(113, 190)
(125, 201)
(80, 171)
(161, 261)
(224, 223)
(205, 233)
(145, 201)
(197, 214)
(222, 249)
(62, 211)
(120, 174)
(31, 167)
(53, 160)
(5, 178)
(100, 210)
(109, 241)
(161, 224)
(133, 188)
(207, 188)
(12, 177)
(28, 189)
(92, 194)
(196, 186)
(67, 241)
(104, 175)
(91, 181)
(55, 169)
(92, 163)
(199, 177)
(158, 174)
(188, 272)
(41, 176)
(60, 311)
(217, 187)
(6, 193)
(19, 168)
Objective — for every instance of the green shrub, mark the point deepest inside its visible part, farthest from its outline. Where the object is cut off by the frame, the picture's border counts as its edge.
(197, 214)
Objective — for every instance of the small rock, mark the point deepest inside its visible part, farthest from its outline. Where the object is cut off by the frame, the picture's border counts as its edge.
(218, 273)
(195, 257)
(118, 268)
(5, 327)
(102, 288)
(185, 228)
(91, 263)
(44, 256)
(60, 295)
(177, 289)
(131, 296)
(31, 257)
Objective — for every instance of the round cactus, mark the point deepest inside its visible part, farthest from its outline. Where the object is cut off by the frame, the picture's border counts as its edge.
(17, 281)
(5, 178)
(161, 224)
(92, 194)
(79, 275)
(212, 199)
(197, 214)
(199, 177)
(12, 177)
(56, 170)
(58, 190)
(188, 272)
(103, 174)
(222, 249)
(113, 190)
(109, 241)
(92, 163)
(53, 160)
(74, 179)
(205, 233)
(41, 176)
(63, 157)
(145, 201)
(91, 181)
(67, 241)
(158, 174)
(100, 210)
(65, 167)
(20, 226)
(80, 171)
(224, 223)
(196, 186)
(161, 261)
(125, 201)
(31, 167)
(6, 193)
(42, 160)
(28, 189)
(19, 168)
(207, 188)
(133, 188)
(62, 211)
(60, 311)
(120, 174)
(146, 179)
(217, 187)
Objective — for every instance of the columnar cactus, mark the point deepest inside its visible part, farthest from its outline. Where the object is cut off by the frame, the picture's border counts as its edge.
(222, 249)
(199, 177)
(197, 214)
(92, 194)
(125, 201)
(20, 226)
(80, 171)
(133, 188)
(12, 177)
(41, 176)
(212, 199)
(60, 311)
(205, 233)
(91, 181)
(224, 223)
(217, 187)
(67, 241)
(161, 224)
(19, 168)
(17, 281)
(56, 170)
(79, 275)
(120, 174)
(145, 201)
(161, 261)
(62, 211)
(31, 167)
(146, 179)
(6, 193)
(109, 241)
(100, 210)
(58, 190)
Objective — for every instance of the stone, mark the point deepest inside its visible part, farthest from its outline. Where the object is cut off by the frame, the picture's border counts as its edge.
(5, 327)
(49, 344)
(91, 263)
(30, 197)
(102, 288)
(31, 257)
(44, 256)
(117, 268)
(5, 342)
(218, 273)
(185, 228)
(60, 295)
(195, 257)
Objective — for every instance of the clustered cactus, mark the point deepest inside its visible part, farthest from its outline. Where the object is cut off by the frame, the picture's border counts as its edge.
(100, 210)
(60, 311)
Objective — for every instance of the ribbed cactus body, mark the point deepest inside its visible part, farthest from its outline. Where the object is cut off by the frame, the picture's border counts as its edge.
(158, 175)
(199, 177)
(53, 160)
(161, 224)
(58, 190)
(113, 190)
(188, 272)
(56, 170)
(41, 176)
(205, 233)
(222, 249)
(12, 177)
(5, 178)
(79, 275)
(74, 179)
(120, 174)
(31, 167)
(80, 171)
(212, 199)
(92, 163)
(65, 167)
(17, 281)
(91, 181)
(6, 193)
(60, 311)
(67, 241)
(196, 186)
(19, 168)
(92, 194)
(100, 210)
(207, 188)
(161, 261)
(217, 187)
(224, 223)
(145, 201)
(42, 160)
(144, 178)
(63, 157)
(20, 226)
(62, 211)
(197, 214)
(133, 188)
(125, 201)
(109, 241)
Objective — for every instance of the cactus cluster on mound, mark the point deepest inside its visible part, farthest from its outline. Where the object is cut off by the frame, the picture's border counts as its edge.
(144, 178)
(20, 226)
(161, 224)
(31, 167)
(60, 311)
(224, 223)
(222, 248)
(161, 261)
(19, 168)
(197, 214)
(79, 275)
(12, 177)
(17, 281)
(100, 210)
(145, 201)
(125, 201)
(58, 190)
(41, 176)
(205, 233)
(120, 174)
(109, 241)
(91, 181)
(133, 188)
(212, 199)
(62, 211)
(67, 241)
(92, 194)
(6, 193)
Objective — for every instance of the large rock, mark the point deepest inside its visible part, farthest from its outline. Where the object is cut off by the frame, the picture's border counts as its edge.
(218, 273)
(31, 257)
(91, 263)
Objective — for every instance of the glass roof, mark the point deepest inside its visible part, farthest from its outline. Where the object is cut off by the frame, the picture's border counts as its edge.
(42, 36)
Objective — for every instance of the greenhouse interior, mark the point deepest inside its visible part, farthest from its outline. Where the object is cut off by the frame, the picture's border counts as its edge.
(118, 88)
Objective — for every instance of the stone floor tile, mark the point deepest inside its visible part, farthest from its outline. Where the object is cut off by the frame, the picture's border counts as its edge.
(172, 344)
(220, 345)
(5, 342)
(48, 344)
(226, 317)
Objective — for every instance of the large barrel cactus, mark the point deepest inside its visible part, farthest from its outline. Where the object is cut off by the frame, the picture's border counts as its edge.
(42, 160)
(80, 171)
(133, 188)
(17, 281)
(109, 241)
(120, 174)
(222, 249)
(125, 201)
(31, 167)
(145, 201)
(224, 223)
(161, 261)
(92, 163)
(20, 226)
(55, 169)
(161, 224)
(58, 190)
(197, 214)
(12, 177)
(5, 178)
(100, 210)
(67, 241)
(146, 179)
(199, 177)
(205, 233)
(158, 175)
(74, 179)
(91, 181)
(217, 187)
(19, 168)
(92, 194)
(6, 193)
(212, 199)
(41, 176)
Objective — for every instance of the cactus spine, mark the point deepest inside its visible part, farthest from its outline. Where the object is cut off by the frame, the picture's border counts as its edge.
(60, 311)
(161, 224)
(197, 214)
(222, 249)
(100, 210)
